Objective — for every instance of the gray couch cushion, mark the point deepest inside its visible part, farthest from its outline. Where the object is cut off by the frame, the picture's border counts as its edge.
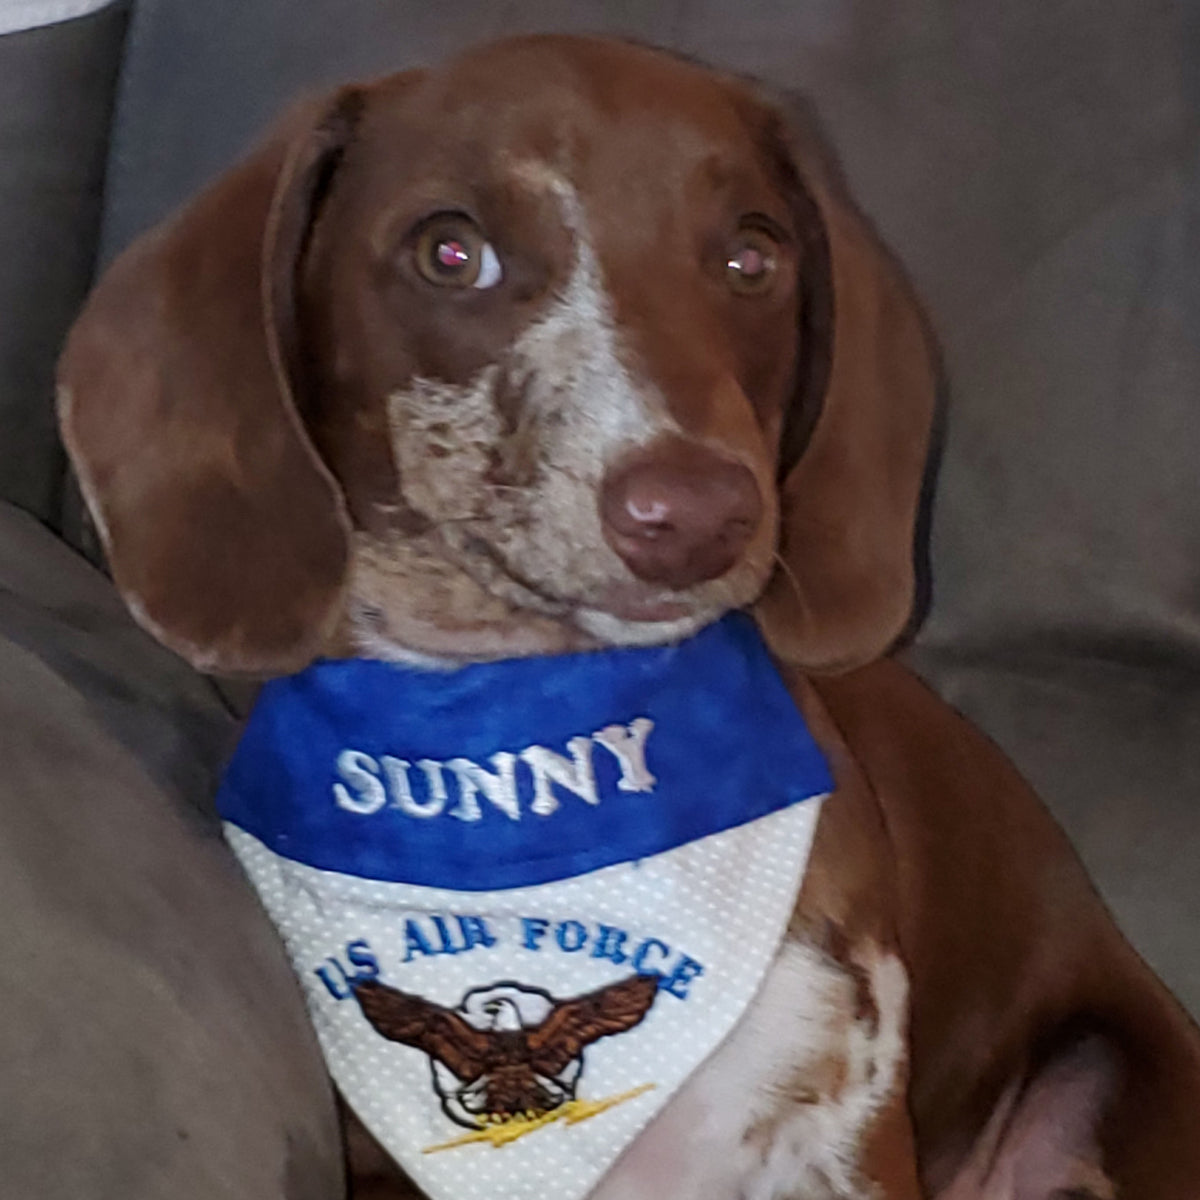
(56, 94)
(154, 1042)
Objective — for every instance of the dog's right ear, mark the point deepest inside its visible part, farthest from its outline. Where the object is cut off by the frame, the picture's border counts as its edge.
(226, 534)
(852, 465)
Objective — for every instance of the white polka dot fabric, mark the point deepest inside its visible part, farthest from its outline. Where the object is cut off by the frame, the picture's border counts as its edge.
(704, 919)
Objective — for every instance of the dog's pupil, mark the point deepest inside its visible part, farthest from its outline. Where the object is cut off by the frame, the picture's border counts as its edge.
(749, 262)
(452, 255)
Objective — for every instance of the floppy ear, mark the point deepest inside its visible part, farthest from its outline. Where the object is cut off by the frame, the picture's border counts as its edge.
(225, 532)
(854, 446)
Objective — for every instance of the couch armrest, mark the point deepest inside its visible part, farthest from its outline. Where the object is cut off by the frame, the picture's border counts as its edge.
(154, 1040)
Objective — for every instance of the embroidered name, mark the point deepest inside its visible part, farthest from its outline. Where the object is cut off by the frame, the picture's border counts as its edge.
(512, 783)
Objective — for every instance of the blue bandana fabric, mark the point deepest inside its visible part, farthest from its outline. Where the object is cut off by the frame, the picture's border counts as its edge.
(526, 899)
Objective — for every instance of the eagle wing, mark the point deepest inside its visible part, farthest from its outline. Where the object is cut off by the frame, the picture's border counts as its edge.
(414, 1021)
(574, 1024)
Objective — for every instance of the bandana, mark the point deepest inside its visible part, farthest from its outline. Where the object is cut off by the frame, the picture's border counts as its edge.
(526, 899)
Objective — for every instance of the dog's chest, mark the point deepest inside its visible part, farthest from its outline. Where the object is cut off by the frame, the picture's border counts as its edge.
(784, 1108)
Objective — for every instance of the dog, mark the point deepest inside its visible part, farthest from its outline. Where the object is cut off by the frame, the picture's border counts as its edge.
(574, 343)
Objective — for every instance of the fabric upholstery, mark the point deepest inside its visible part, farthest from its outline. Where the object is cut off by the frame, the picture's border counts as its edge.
(57, 85)
(154, 1039)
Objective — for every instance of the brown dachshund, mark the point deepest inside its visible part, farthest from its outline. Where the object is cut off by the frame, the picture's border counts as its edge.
(573, 343)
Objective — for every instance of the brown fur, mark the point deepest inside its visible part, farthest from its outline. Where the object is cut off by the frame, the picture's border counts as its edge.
(294, 445)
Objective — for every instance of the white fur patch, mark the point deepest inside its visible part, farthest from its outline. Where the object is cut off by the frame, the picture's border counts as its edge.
(578, 396)
(748, 1125)
(580, 408)
(508, 470)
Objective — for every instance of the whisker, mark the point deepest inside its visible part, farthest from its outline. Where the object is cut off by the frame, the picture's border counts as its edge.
(788, 572)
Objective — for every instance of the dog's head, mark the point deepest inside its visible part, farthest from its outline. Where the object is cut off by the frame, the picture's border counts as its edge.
(568, 342)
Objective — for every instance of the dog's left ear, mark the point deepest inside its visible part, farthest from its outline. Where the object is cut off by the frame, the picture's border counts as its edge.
(854, 447)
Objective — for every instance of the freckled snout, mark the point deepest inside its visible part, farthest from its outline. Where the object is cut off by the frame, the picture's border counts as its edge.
(679, 513)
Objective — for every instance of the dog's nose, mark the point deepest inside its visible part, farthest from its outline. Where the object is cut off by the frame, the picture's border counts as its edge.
(679, 513)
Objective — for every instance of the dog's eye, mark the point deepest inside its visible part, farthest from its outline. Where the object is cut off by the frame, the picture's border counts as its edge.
(751, 262)
(451, 251)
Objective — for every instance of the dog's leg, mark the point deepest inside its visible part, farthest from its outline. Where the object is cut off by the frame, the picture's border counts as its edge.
(889, 1156)
(1042, 1141)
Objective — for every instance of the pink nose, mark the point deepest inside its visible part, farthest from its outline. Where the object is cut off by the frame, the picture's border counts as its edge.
(679, 513)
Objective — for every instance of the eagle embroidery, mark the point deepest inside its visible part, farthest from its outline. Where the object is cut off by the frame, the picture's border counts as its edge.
(525, 1062)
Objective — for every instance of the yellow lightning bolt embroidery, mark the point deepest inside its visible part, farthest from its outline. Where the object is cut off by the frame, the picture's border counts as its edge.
(502, 1133)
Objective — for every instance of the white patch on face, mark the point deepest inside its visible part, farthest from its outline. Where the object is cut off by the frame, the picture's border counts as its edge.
(442, 436)
(579, 408)
(614, 631)
(508, 467)
(742, 1128)
(371, 644)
